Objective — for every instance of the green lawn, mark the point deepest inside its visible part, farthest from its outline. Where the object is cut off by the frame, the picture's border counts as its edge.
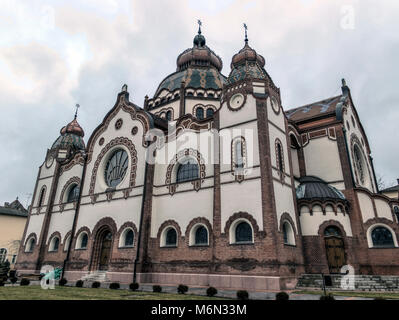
(366, 294)
(72, 293)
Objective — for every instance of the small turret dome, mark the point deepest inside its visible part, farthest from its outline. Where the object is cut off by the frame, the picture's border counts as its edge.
(71, 137)
(315, 188)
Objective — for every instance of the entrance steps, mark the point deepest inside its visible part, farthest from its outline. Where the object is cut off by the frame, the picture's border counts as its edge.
(361, 282)
(96, 276)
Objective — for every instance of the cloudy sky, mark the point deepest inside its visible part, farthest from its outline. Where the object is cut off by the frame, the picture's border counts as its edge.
(54, 55)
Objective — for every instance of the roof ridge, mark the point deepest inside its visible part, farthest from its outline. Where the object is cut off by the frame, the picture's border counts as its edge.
(311, 104)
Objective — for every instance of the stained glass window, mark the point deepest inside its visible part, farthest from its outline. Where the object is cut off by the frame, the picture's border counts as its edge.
(382, 237)
(129, 238)
(199, 113)
(169, 115)
(116, 168)
(280, 157)
(243, 232)
(73, 194)
(187, 171)
(201, 236)
(285, 232)
(41, 199)
(171, 237)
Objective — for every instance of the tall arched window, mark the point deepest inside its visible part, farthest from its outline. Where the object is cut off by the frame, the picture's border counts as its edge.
(30, 245)
(209, 112)
(82, 241)
(382, 237)
(3, 255)
(171, 237)
(396, 211)
(54, 244)
(358, 159)
(73, 193)
(127, 238)
(239, 154)
(41, 197)
(243, 232)
(199, 113)
(201, 236)
(288, 234)
(280, 158)
(188, 170)
(169, 115)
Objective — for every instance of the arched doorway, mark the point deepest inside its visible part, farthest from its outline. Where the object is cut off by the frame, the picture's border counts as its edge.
(103, 249)
(335, 249)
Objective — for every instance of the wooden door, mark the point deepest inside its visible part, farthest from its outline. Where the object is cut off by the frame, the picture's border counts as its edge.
(105, 251)
(335, 251)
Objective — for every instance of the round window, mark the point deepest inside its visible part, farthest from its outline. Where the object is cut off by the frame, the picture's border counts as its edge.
(116, 168)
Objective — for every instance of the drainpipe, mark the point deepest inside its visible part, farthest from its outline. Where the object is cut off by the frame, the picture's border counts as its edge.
(141, 219)
(75, 218)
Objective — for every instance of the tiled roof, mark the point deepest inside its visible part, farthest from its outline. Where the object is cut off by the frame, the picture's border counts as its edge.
(314, 109)
(315, 188)
(13, 209)
(390, 189)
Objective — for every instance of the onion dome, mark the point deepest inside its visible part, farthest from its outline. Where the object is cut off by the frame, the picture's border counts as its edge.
(71, 136)
(315, 188)
(247, 54)
(198, 67)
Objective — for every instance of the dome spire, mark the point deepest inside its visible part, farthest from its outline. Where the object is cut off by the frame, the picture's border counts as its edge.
(199, 26)
(246, 33)
(76, 112)
(199, 39)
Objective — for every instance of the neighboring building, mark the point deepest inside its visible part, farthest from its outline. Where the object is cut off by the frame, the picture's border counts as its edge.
(392, 192)
(13, 217)
(294, 192)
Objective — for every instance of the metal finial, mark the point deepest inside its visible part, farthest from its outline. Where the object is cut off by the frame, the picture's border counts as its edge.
(76, 112)
(343, 82)
(246, 32)
(199, 26)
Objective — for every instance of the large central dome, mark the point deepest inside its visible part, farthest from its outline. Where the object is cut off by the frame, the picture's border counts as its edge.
(199, 67)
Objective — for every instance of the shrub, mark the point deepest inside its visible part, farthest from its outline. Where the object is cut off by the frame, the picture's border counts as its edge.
(182, 289)
(242, 295)
(114, 286)
(156, 288)
(1, 284)
(62, 282)
(211, 291)
(13, 273)
(96, 285)
(79, 284)
(327, 297)
(25, 282)
(14, 280)
(283, 296)
(133, 286)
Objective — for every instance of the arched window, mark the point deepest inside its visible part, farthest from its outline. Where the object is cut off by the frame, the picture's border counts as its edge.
(382, 237)
(3, 255)
(199, 113)
(332, 231)
(30, 245)
(243, 232)
(67, 243)
(41, 198)
(239, 154)
(358, 159)
(201, 236)
(127, 238)
(171, 238)
(280, 158)
(209, 112)
(54, 244)
(288, 234)
(187, 170)
(116, 168)
(82, 241)
(169, 115)
(73, 193)
(396, 211)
